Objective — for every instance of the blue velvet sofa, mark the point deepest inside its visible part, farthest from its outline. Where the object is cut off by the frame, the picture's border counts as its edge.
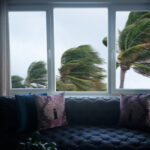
(93, 124)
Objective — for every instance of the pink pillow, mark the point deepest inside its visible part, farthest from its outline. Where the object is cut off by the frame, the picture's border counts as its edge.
(51, 111)
(134, 111)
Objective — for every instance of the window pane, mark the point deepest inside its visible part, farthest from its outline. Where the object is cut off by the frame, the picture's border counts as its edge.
(132, 49)
(28, 49)
(80, 55)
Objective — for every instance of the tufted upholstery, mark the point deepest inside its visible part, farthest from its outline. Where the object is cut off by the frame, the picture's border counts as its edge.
(96, 138)
(93, 125)
(93, 110)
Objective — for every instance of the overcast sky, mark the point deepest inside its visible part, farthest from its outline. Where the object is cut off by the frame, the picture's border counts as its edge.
(75, 27)
(72, 28)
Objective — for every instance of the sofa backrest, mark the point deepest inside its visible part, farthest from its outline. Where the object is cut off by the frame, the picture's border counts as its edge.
(93, 110)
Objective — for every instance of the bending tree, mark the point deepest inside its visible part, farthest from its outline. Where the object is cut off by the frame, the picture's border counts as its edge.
(17, 82)
(37, 75)
(80, 70)
(134, 45)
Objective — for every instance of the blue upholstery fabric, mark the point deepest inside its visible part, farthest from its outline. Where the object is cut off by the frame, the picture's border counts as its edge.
(93, 110)
(93, 125)
(8, 115)
(27, 115)
(96, 138)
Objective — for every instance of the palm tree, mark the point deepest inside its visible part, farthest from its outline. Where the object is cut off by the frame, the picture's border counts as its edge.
(37, 75)
(17, 81)
(80, 71)
(134, 45)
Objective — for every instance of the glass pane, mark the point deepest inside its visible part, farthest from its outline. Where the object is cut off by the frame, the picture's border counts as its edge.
(80, 55)
(28, 50)
(132, 49)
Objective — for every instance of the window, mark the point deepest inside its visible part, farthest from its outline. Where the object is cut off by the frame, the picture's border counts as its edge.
(132, 49)
(28, 49)
(80, 55)
(79, 46)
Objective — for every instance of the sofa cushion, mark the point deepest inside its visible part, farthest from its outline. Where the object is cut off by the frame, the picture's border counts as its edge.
(134, 111)
(93, 110)
(8, 115)
(26, 112)
(96, 138)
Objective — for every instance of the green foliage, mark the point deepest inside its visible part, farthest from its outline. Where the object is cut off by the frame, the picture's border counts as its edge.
(122, 37)
(139, 34)
(134, 41)
(37, 75)
(80, 70)
(33, 143)
(134, 54)
(105, 41)
(117, 65)
(134, 16)
(134, 44)
(83, 52)
(61, 86)
(142, 68)
(17, 82)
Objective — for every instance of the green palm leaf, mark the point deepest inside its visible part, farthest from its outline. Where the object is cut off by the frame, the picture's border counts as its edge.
(37, 74)
(135, 54)
(142, 68)
(82, 84)
(123, 37)
(139, 35)
(134, 17)
(80, 67)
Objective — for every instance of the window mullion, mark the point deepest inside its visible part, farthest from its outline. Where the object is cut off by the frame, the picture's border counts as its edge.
(111, 50)
(50, 50)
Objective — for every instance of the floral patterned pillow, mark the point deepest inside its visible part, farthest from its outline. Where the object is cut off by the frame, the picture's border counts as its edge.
(134, 111)
(51, 111)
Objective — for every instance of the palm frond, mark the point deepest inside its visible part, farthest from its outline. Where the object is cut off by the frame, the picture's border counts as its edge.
(142, 68)
(105, 41)
(123, 37)
(135, 54)
(139, 35)
(134, 16)
(81, 84)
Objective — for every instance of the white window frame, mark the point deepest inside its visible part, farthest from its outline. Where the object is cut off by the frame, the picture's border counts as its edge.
(113, 7)
(127, 7)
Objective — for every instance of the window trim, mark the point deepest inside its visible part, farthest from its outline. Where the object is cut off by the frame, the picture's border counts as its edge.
(112, 9)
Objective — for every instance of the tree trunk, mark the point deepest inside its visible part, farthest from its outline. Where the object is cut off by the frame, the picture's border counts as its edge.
(124, 68)
(122, 77)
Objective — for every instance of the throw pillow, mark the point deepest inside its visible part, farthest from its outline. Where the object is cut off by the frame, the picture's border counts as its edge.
(134, 111)
(51, 111)
(27, 116)
(26, 112)
(8, 115)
